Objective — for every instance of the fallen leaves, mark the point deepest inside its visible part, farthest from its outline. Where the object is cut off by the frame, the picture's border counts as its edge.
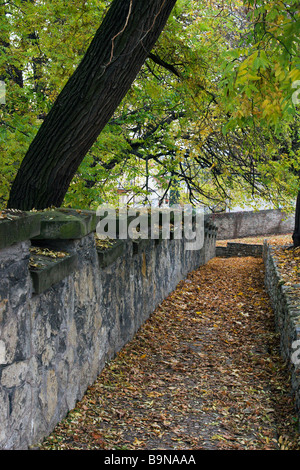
(104, 243)
(206, 376)
(10, 214)
(47, 252)
(288, 262)
(38, 256)
(272, 239)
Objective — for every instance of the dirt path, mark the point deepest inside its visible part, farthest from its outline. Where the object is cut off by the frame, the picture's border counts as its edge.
(203, 373)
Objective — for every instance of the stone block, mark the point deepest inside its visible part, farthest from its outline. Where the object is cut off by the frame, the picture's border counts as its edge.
(49, 271)
(62, 224)
(109, 255)
(18, 227)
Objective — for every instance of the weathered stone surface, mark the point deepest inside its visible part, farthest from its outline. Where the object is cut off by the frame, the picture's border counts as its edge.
(51, 271)
(3, 359)
(109, 255)
(66, 224)
(13, 259)
(14, 374)
(4, 410)
(15, 290)
(252, 223)
(239, 249)
(19, 228)
(140, 244)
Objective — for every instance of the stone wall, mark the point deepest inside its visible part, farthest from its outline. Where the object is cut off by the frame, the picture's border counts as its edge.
(252, 223)
(68, 306)
(286, 307)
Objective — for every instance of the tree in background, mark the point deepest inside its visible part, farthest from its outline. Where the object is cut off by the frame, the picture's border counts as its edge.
(260, 80)
(175, 119)
(118, 50)
(41, 44)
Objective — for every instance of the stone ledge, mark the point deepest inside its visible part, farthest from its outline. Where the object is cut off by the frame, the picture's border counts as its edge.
(18, 227)
(109, 255)
(46, 271)
(62, 224)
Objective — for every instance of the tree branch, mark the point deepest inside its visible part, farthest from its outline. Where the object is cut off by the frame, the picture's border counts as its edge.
(164, 64)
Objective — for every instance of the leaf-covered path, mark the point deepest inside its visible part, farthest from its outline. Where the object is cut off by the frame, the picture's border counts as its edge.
(204, 372)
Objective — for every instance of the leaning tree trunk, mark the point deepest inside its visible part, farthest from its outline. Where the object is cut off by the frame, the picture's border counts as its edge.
(87, 102)
(296, 233)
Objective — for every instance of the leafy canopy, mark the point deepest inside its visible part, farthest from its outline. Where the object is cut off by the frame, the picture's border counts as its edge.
(212, 113)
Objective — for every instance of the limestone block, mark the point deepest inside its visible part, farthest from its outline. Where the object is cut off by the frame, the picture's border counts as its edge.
(14, 375)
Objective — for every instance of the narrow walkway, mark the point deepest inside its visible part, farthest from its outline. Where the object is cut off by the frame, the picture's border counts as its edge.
(203, 373)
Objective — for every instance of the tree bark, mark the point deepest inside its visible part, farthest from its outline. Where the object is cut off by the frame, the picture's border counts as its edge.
(88, 100)
(296, 233)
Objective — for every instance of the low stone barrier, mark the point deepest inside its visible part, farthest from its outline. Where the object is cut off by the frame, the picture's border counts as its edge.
(68, 305)
(239, 249)
(252, 223)
(286, 306)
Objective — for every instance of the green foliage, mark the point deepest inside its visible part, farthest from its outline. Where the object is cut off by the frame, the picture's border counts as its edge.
(211, 109)
(41, 43)
(258, 76)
